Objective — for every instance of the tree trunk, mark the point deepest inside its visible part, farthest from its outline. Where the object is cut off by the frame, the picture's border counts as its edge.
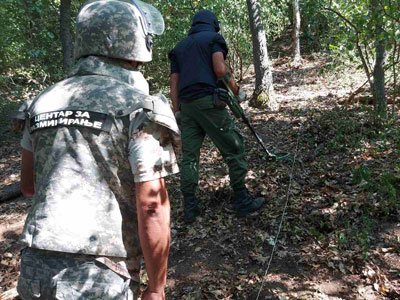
(296, 31)
(65, 33)
(379, 80)
(380, 59)
(9, 192)
(262, 67)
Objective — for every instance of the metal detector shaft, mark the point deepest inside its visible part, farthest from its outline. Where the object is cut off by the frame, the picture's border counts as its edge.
(259, 140)
(237, 110)
(277, 156)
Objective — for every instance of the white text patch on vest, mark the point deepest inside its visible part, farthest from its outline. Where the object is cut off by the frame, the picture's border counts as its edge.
(68, 118)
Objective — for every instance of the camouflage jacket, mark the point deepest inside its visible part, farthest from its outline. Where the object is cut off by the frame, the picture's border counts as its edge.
(84, 189)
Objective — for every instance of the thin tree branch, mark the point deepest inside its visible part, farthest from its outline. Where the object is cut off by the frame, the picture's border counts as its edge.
(342, 17)
(357, 91)
(360, 52)
(367, 50)
(387, 14)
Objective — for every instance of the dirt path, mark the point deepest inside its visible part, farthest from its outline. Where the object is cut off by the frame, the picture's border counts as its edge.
(12, 217)
(222, 257)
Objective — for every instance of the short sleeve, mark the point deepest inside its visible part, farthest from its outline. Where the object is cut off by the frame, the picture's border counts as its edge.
(26, 141)
(174, 62)
(219, 45)
(148, 159)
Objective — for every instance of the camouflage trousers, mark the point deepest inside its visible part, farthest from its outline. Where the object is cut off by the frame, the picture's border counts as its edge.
(57, 275)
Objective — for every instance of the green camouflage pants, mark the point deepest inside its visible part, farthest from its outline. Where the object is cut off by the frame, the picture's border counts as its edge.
(199, 118)
(58, 275)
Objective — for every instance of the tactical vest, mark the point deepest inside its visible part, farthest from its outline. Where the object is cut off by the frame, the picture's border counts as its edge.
(82, 190)
(194, 58)
(46, 112)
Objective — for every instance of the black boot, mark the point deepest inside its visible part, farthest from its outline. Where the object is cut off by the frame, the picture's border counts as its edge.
(190, 208)
(245, 204)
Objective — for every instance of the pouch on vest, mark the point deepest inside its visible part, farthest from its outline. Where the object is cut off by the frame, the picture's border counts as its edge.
(157, 109)
(162, 114)
(18, 118)
(220, 98)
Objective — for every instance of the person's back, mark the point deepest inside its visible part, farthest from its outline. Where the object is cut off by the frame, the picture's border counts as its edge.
(192, 58)
(93, 155)
(67, 158)
(197, 62)
(193, 55)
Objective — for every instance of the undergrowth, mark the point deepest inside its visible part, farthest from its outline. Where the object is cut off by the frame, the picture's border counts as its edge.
(366, 159)
(16, 86)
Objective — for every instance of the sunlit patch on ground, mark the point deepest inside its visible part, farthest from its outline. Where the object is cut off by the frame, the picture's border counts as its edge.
(331, 245)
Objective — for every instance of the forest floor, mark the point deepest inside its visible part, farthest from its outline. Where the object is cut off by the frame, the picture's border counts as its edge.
(340, 236)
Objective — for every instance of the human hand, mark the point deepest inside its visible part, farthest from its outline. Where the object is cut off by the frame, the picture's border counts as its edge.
(148, 295)
(222, 95)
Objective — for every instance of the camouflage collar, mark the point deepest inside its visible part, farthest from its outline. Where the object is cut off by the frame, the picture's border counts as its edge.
(98, 65)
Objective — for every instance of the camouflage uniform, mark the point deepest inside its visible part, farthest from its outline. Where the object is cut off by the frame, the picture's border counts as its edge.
(58, 275)
(84, 192)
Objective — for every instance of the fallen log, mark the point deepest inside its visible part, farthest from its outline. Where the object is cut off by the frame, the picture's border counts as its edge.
(9, 192)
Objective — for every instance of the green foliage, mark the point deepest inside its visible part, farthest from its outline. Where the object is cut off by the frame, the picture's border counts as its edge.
(29, 38)
(6, 109)
(388, 188)
(365, 23)
(319, 30)
(361, 173)
(234, 27)
(366, 163)
(32, 36)
(360, 234)
(340, 131)
(382, 191)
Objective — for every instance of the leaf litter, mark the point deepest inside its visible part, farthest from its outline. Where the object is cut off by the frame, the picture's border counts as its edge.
(340, 238)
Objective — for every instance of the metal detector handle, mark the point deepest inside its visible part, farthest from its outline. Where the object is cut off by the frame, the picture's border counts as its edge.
(238, 112)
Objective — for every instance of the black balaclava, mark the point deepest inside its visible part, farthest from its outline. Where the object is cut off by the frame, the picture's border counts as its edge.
(206, 17)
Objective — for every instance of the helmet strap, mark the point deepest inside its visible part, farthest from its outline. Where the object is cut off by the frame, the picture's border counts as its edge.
(149, 41)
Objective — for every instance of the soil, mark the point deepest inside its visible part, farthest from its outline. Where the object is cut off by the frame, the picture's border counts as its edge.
(221, 256)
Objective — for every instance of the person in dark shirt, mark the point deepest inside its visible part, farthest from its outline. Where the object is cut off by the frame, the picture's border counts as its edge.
(197, 62)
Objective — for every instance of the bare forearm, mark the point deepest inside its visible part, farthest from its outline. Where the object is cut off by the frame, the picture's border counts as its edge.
(27, 173)
(232, 83)
(221, 69)
(174, 88)
(153, 211)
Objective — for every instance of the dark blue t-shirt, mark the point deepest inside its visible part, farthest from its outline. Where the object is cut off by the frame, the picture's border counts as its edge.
(192, 60)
